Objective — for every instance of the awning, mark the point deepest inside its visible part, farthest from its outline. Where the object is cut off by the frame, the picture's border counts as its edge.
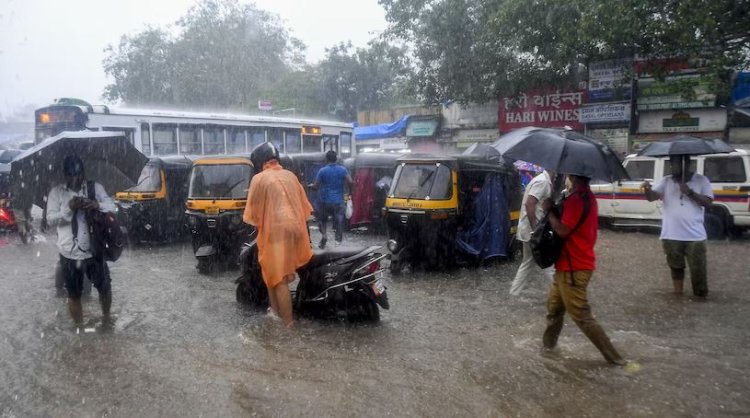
(385, 130)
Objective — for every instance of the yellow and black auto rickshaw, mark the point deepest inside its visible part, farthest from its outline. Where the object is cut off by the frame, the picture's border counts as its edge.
(441, 210)
(154, 209)
(215, 204)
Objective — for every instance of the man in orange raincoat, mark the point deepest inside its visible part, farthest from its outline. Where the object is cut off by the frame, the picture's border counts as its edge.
(278, 208)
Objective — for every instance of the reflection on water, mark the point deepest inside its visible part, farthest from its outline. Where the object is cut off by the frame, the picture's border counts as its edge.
(453, 343)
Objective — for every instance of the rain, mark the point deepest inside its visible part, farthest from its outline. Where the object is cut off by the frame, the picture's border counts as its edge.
(144, 262)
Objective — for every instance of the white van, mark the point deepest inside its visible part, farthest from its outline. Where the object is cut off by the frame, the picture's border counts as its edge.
(624, 204)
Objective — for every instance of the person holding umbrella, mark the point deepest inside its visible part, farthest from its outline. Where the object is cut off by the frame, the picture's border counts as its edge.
(685, 196)
(66, 208)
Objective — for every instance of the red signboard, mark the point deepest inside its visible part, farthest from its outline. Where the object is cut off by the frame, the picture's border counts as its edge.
(553, 109)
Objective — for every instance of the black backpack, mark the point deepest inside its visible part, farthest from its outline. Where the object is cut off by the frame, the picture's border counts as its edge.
(546, 245)
(107, 239)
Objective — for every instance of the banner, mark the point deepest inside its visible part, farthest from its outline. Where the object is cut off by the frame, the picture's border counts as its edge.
(610, 81)
(546, 110)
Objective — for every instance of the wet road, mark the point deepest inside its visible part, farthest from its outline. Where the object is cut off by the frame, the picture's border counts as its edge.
(452, 344)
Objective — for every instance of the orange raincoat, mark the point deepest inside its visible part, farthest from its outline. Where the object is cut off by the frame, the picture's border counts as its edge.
(278, 207)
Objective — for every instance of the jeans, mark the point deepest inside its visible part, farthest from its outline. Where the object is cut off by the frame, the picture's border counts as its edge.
(338, 211)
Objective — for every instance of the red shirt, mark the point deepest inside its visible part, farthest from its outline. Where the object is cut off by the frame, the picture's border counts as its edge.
(579, 246)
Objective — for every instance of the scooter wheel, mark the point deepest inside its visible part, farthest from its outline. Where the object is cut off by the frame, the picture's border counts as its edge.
(204, 266)
(362, 308)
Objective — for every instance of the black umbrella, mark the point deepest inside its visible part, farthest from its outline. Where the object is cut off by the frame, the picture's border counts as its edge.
(563, 151)
(685, 145)
(479, 148)
(108, 158)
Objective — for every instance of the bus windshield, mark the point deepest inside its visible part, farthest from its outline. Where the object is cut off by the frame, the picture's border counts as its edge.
(52, 120)
(419, 181)
(220, 181)
(149, 181)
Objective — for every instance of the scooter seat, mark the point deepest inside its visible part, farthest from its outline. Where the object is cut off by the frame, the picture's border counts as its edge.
(326, 256)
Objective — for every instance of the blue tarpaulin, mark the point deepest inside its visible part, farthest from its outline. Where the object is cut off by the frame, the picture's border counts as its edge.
(385, 130)
(741, 90)
(487, 234)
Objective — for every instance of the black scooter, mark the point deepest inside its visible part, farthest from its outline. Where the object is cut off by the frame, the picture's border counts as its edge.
(338, 283)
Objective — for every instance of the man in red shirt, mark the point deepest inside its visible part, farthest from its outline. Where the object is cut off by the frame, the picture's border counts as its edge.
(574, 268)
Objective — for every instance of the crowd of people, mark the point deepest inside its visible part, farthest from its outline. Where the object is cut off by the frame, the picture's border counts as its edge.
(278, 208)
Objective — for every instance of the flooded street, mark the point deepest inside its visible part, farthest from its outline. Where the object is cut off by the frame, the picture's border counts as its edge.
(451, 344)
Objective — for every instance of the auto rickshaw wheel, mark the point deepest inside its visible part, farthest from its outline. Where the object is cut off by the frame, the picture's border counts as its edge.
(204, 265)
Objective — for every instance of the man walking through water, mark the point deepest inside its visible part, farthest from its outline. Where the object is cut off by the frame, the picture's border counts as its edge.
(278, 208)
(66, 207)
(683, 234)
(574, 267)
(537, 191)
(330, 181)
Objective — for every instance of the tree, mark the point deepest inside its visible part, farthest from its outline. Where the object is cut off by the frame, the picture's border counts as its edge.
(225, 55)
(478, 50)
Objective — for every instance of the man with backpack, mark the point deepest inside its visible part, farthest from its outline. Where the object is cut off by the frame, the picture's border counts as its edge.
(578, 227)
(67, 207)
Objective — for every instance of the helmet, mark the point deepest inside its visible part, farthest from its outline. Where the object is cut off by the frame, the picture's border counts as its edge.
(72, 166)
(262, 154)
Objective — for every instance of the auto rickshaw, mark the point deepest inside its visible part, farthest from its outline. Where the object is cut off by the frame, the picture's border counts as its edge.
(372, 173)
(154, 209)
(215, 204)
(441, 210)
(7, 219)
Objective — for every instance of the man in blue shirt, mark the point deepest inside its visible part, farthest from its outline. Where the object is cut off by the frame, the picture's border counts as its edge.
(330, 183)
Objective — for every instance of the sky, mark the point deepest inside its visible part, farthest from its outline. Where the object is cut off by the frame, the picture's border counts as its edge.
(53, 48)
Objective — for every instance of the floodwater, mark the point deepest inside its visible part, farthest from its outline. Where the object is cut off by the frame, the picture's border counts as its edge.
(452, 344)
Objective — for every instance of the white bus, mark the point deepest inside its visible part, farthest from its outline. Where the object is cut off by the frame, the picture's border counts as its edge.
(174, 132)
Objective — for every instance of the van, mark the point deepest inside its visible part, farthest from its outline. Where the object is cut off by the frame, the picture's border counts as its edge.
(623, 204)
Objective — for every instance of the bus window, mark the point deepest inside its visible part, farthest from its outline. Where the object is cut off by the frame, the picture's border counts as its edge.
(257, 137)
(292, 143)
(129, 132)
(310, 143)
(165, 140)
(145, 139)
(276, 137)
(346, 144)
(190, 140)
(236, 140)
(330, 143)
(213, 140)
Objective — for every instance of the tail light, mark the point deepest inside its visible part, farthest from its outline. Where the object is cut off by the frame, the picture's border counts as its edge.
(373, 267)
(5, 215)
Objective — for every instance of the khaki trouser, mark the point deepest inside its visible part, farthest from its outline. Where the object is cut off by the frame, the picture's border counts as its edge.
(568, 293)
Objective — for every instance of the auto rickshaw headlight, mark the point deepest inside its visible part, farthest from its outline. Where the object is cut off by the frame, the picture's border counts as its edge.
(392, 245)
(192, 221)
(236, 219)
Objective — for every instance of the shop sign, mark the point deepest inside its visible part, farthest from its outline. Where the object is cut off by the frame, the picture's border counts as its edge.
(614, 112)
(548, 110)
(393, 143)
(700, 120)
(476, 135)
(610, 81)
(668, 94)
(421, 127)
(265, 105)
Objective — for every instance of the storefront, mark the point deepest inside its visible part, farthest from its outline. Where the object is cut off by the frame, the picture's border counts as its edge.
(421, 133)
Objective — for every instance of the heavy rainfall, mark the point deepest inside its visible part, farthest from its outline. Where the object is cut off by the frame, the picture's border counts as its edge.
(445, 208)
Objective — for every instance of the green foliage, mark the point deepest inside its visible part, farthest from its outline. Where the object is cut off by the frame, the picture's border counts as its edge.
(477, 50)
(224, 55)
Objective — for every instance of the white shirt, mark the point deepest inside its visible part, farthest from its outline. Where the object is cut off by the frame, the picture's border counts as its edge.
(541, 188)
(682, 217)
(59, 213)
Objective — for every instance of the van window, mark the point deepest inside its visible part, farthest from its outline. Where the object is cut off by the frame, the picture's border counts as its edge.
(724, 169)
(668, 166)
(640, 170)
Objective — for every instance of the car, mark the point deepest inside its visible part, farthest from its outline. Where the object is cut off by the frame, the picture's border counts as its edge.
(624, 204)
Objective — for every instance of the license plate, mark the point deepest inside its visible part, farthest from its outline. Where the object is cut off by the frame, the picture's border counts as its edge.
(212, 211)
(378, 287)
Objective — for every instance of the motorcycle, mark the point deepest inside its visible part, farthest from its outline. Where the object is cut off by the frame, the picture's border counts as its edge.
(339, 283)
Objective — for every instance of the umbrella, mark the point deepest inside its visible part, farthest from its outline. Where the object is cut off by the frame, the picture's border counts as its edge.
(526, 166)
(479, 148)
(563, 151)
(108, 158)
(685, 145)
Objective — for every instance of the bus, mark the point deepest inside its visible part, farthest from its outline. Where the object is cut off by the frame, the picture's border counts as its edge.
(173, 132)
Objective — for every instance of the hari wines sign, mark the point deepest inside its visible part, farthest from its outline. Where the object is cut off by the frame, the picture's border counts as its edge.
(545, 110)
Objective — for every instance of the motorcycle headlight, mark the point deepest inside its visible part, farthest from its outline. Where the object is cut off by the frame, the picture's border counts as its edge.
(392, 245)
